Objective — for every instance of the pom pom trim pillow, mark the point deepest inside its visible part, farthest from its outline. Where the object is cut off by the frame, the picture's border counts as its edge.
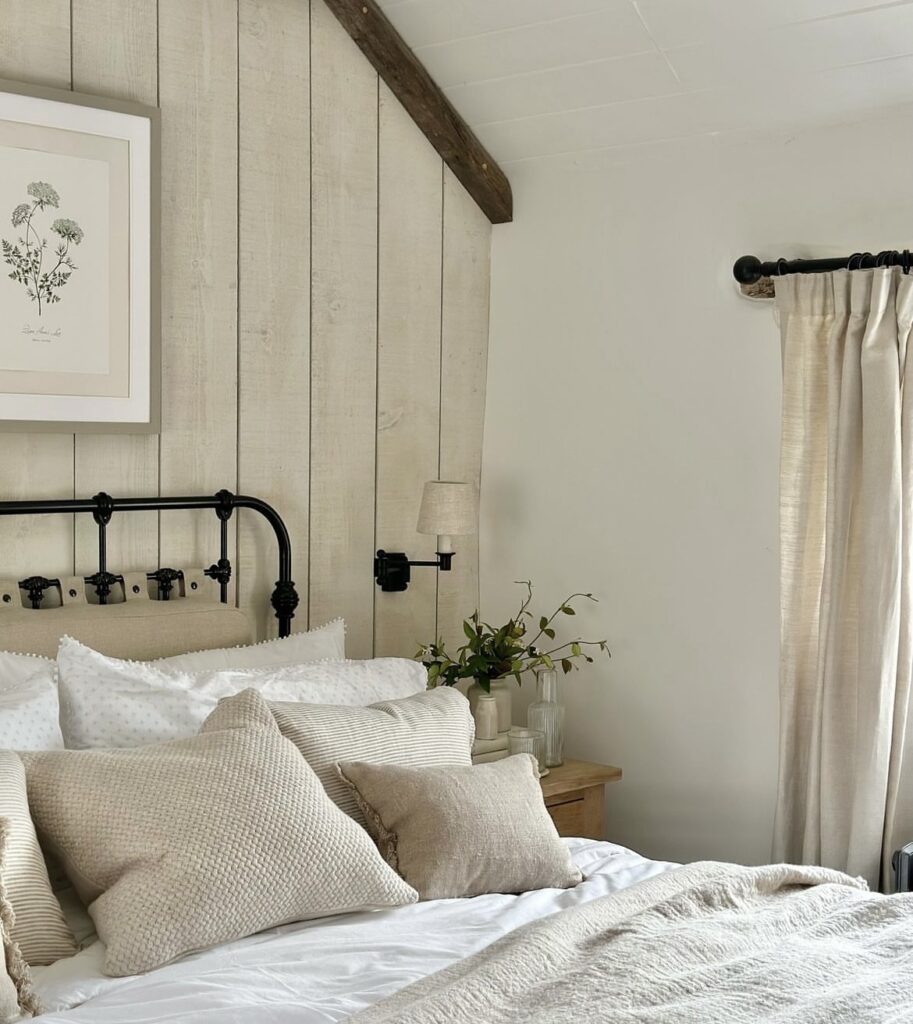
(180, 846)
(29, 711)
(464, 831)
(108, 702)
(326, 643)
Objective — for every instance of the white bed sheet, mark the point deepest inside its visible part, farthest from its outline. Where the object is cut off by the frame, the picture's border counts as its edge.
(321, 971)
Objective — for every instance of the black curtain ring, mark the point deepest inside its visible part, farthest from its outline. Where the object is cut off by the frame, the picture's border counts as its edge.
(905, 261)
(881, 260)
(849, 262)
(782, 267)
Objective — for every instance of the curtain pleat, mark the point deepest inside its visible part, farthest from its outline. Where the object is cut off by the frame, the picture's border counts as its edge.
(845, 504)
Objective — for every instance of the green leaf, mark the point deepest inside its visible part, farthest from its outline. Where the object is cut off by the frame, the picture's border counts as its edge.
(468, 630)
(550, 633)
(543, 622)
(568, 610)
(575, 649)
(567, 665)
(547, 661)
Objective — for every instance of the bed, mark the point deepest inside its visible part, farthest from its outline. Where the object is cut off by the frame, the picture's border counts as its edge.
(323, 971)
(636, 940)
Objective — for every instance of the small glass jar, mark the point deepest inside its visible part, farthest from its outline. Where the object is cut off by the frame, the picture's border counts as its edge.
(547, 716)
(527, 741)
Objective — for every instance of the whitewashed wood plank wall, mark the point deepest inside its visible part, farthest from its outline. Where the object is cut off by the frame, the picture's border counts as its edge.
(324, 310)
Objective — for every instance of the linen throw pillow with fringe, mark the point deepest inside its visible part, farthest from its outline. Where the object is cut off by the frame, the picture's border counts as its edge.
(185, 845)
(16, 995)
(453, 832)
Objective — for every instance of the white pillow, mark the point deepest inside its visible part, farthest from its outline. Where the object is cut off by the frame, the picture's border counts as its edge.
(29, 713)
(106, 702)
(326, 643)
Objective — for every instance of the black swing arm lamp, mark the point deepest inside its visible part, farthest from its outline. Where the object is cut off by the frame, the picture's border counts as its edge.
(449, 508)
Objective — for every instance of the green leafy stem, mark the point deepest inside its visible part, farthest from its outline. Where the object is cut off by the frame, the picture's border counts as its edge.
(495, 652)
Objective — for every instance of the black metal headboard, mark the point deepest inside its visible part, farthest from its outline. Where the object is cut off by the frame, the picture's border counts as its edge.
(102, 507)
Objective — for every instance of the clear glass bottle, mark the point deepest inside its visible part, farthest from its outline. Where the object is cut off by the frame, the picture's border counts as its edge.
(546, 715)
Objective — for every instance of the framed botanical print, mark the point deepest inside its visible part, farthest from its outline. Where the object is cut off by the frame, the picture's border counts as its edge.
(79, 206)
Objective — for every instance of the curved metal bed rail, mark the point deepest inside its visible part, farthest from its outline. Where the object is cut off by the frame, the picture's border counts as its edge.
(102, 507)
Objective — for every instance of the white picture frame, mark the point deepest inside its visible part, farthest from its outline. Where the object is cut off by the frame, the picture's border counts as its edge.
(79, 263)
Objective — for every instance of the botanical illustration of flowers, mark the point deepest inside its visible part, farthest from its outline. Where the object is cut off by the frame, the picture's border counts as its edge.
(42, 272)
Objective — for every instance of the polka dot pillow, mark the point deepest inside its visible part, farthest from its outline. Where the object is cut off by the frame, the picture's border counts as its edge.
(29, 712)
(108, 702)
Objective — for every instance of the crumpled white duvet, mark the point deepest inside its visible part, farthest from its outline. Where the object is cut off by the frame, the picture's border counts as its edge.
(321, 971)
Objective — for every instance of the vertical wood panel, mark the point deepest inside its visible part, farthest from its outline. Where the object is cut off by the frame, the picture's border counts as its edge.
(35, 47)
(409, 366)
(344, 330)
(115, 54)
(352, 376)
(274, 307)
(464, 364)
(198, 82)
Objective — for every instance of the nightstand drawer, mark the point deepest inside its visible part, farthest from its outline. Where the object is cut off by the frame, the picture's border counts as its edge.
(569, 816)
(574, 795)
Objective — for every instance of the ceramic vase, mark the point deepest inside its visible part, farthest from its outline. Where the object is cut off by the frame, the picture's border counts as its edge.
(486, 717)
(503, 695)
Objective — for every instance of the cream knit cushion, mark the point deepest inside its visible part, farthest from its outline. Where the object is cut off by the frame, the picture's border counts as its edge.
(464, 831)
(16, 995)
(40, 929)
(424, 731)
(188, 844)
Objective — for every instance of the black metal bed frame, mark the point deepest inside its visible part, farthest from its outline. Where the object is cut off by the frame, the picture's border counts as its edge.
(102, 507)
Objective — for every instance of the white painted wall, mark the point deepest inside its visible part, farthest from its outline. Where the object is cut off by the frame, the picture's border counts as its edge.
(631, 446)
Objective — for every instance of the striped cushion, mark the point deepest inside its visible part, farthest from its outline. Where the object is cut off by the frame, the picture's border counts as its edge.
(430, 730)
(40, 929)
(16, 994)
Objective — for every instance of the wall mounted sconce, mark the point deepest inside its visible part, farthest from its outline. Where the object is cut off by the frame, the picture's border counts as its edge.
(449, 509)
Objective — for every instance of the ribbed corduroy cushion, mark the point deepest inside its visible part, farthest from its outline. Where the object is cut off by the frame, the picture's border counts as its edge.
(430, 730)
(184, 845)
(16, 995)
(40, 929)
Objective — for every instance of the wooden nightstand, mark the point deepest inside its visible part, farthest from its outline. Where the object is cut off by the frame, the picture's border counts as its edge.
(575, 797)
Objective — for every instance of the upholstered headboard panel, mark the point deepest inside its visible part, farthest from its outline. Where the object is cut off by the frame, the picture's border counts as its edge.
(141, 630)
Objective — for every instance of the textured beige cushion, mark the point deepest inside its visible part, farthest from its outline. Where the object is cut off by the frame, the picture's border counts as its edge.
(184, 845)
(16, 996)
(134, 629)
(463, 831)
(40, 929)
(427, 730)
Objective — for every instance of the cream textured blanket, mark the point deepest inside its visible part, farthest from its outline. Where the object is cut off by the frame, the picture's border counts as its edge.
(705, 944)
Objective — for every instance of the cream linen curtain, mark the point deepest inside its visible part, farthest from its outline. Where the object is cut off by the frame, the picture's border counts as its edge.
(846, 766)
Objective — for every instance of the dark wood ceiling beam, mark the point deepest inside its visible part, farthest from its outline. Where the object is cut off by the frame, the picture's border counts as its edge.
(406, 76)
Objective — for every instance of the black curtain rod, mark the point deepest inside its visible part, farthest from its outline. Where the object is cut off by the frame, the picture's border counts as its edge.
(749, 269)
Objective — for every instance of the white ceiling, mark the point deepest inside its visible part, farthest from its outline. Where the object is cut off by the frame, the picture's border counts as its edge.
(538, 78)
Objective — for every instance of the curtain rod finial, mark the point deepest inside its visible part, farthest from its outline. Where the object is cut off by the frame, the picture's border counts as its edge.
(747, 270)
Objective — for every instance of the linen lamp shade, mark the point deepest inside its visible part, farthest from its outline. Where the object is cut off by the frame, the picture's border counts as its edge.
(449, 508)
